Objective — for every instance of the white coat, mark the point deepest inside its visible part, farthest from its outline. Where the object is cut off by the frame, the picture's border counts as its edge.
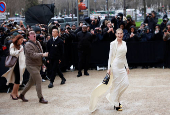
(9, 75)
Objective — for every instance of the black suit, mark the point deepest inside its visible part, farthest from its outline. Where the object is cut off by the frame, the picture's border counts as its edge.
(55, 49)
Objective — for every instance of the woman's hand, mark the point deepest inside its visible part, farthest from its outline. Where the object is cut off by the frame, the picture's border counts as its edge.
(108, 71)
(127, 69)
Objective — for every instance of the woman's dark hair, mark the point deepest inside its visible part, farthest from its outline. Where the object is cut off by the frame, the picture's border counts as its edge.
(81, 0)
(15, 41)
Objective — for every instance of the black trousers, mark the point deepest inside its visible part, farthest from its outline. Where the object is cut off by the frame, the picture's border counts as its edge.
(54, 67)
(84, 60)
(17, 73)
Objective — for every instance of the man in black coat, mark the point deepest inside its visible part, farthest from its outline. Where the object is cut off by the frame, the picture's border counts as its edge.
(152, 20)
(84, 50)
(55, 48)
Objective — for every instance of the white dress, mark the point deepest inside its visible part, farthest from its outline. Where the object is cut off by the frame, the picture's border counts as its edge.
(118, 79)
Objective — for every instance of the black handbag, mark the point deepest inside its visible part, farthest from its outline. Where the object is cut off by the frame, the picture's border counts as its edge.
(106, 79)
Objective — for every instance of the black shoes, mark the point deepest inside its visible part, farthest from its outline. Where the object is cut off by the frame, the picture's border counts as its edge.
(86, 73)
(79, 74)
(63, 81)
(50, 85)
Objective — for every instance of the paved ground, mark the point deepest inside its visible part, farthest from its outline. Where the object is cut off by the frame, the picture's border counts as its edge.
(147, 94)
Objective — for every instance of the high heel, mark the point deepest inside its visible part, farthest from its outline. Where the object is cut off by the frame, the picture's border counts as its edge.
(118, 108)
(13, 97)
(120, 105)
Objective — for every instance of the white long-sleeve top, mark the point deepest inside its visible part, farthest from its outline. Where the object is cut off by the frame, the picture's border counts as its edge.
(113, 53)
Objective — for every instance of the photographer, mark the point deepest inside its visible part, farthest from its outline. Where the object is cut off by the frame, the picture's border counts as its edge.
(119, 20)
(63, 34)
(109, 32)
(71, 35)
(73, 28)
(133, 35)
(166, 35)
(93, 22)
(152, 20)
(79, 28)
(157, 34)
(163, 24)
(129, 22)
(96, 34)
(147, 35)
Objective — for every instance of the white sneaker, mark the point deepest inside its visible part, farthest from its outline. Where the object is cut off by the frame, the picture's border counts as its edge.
(43, 80)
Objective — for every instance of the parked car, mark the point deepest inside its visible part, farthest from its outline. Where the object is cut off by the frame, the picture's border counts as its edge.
(63, 21)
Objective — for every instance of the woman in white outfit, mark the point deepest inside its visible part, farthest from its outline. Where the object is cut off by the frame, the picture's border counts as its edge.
(15, 74)
(118, 74)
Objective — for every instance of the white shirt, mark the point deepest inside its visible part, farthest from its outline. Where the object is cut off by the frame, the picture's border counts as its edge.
(55, 38)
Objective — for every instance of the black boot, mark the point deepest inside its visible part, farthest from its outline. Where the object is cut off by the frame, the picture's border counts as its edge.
(50, 85)
(86, 73)
(79, 74)
(63, 81)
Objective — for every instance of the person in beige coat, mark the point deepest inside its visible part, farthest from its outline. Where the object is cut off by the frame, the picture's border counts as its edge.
(15, 73)
(118, 82)
(34, 54)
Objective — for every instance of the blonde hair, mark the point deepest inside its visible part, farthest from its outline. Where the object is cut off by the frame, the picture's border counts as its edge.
(119, 29)
(108, 22)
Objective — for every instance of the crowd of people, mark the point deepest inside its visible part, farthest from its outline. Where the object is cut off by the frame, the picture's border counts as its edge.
(41, 47)
(87, 32)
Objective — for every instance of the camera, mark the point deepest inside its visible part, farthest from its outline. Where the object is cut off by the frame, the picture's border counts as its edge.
(58, 24)
(96, 30)
(149, 15)
(165, 30)
(93, 21)
(165, 19)
(68, 29)
(128, 19)
(118, 17)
